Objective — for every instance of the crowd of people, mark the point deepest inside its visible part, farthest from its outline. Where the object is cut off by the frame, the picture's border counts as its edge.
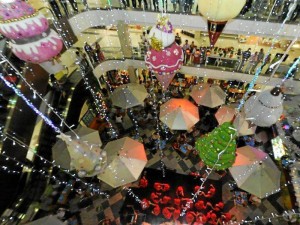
(162, 202)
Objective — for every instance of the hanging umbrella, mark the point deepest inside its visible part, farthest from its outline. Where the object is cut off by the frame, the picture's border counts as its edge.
(60, 152)
(226, 114)
(208, 95)
(126, 159)
(255, 172)
(129, 95)
(179, 114)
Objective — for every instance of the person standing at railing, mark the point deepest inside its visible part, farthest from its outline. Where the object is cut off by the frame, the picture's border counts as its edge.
(174, 2)
(251, 63)
(260, 58)
(155, 5)
(185, 48)
(89, 51)
(133, 3)
(145, 4)
(245, 56)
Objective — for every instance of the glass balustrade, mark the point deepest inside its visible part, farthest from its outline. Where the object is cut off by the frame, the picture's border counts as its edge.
(259, 10)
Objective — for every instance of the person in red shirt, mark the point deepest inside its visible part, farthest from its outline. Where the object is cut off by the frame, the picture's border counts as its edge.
(157, 186)
(166, 212)
(177, 202)
(226, 217)
(200, 205)
(201, 218)
(190, 217)
(154, 198)
(179, 192)
(143, 181)
(176, 214)
(165, 187)
(156, 210)
(218, 207)
(210, 193)
(165, 200)
(145, 204)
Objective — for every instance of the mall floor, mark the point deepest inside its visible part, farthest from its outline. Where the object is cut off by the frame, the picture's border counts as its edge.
(109, 208)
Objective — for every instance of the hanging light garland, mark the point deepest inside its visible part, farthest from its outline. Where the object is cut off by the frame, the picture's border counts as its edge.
(35, 93)
(15, 140)
(98, 102)
(259, 69)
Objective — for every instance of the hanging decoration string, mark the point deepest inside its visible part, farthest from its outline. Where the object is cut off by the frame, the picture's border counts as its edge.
(36, 93)
(17, 91)
(282, 57)
(15, 140)
(293, 68)
(203, 180)
(98, 102)
(259, 69)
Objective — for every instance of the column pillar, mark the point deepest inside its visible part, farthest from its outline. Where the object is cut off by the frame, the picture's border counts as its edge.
(132, 75)
(124, 38)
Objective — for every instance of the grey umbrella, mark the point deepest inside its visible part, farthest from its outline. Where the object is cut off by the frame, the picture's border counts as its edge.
(60, 152)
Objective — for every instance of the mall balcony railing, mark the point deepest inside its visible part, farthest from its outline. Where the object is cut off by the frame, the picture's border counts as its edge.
(258, 10)
(211, 62)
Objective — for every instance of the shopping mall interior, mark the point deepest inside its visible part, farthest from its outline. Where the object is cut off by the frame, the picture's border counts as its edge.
(107, 130)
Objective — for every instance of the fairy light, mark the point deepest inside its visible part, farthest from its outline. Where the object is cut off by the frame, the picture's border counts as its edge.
(291, 70)
(44, 160)
(136, 198)
(46, 119)
(259, 69)
(98, 103)
(203, 180)
(35, 93)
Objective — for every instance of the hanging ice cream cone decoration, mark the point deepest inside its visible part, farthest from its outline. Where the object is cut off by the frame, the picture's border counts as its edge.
(165, 80)
(165, 57)
(31, 39)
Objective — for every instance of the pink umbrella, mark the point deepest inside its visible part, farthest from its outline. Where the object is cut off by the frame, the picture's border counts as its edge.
(179, 114)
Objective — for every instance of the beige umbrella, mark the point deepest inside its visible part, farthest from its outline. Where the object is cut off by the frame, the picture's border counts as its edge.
(129, 95)
(179, 114)
(255, 172)
(60, 152)
(226, 114)
(126, 159)
(208, 95)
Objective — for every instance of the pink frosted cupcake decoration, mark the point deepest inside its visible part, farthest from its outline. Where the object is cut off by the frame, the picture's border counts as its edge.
(31, 38)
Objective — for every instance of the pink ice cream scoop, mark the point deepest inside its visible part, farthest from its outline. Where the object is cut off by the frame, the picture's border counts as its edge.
(166, 61)
(31, 38)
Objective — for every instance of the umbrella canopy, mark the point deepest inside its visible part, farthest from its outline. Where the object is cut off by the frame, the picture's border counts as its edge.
(126, 159)
(255, 172)
(47, 220)
(129, 95)
(60, 152)
(226, 114)
(208, 95)
(179, 114)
